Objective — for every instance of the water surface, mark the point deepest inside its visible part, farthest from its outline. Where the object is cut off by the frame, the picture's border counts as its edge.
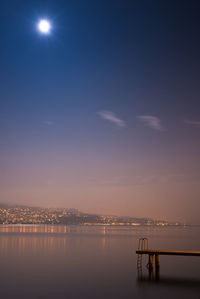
(94, 262)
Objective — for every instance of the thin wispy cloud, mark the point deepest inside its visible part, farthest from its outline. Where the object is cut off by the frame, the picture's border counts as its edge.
(48, 122)
(151, 121)
(192, 122)
(110, 116)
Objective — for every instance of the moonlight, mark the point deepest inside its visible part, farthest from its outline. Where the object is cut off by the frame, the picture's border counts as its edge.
(44, 26)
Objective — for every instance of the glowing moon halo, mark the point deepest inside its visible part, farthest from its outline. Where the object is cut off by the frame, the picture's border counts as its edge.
(44, 26)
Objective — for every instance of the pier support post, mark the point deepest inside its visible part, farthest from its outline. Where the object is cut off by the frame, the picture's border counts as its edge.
(150, 266)
(157, 266)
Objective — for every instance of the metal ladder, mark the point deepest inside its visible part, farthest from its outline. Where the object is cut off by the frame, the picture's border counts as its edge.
(143, 244)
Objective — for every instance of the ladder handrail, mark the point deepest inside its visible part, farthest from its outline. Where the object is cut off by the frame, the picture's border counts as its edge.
(143, 244)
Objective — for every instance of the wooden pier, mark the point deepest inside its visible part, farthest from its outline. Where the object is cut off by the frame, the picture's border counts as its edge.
(151, 253)
(168, 252)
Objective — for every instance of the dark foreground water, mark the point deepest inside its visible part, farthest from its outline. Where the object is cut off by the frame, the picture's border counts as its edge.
(94, 262)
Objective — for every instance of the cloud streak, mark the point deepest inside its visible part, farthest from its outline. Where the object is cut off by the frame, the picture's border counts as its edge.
(192, 122)
(151, 121)
(48, 122)
(110, 116)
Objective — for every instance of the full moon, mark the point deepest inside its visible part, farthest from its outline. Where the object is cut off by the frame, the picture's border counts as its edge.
(44, 26)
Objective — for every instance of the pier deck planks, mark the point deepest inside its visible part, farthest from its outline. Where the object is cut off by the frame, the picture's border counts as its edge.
(168, 252)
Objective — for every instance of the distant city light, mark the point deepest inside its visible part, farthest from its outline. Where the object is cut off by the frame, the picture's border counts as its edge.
(44, 26)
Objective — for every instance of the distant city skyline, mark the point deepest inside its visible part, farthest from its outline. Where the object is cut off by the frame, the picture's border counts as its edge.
(100, 106)
(66, 216)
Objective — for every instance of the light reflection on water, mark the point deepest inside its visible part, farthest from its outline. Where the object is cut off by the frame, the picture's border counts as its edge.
(46, 261)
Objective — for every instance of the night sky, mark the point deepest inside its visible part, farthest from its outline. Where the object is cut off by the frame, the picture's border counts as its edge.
(101, 114)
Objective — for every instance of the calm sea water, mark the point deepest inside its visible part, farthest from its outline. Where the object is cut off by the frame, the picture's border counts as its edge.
(95, 262)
